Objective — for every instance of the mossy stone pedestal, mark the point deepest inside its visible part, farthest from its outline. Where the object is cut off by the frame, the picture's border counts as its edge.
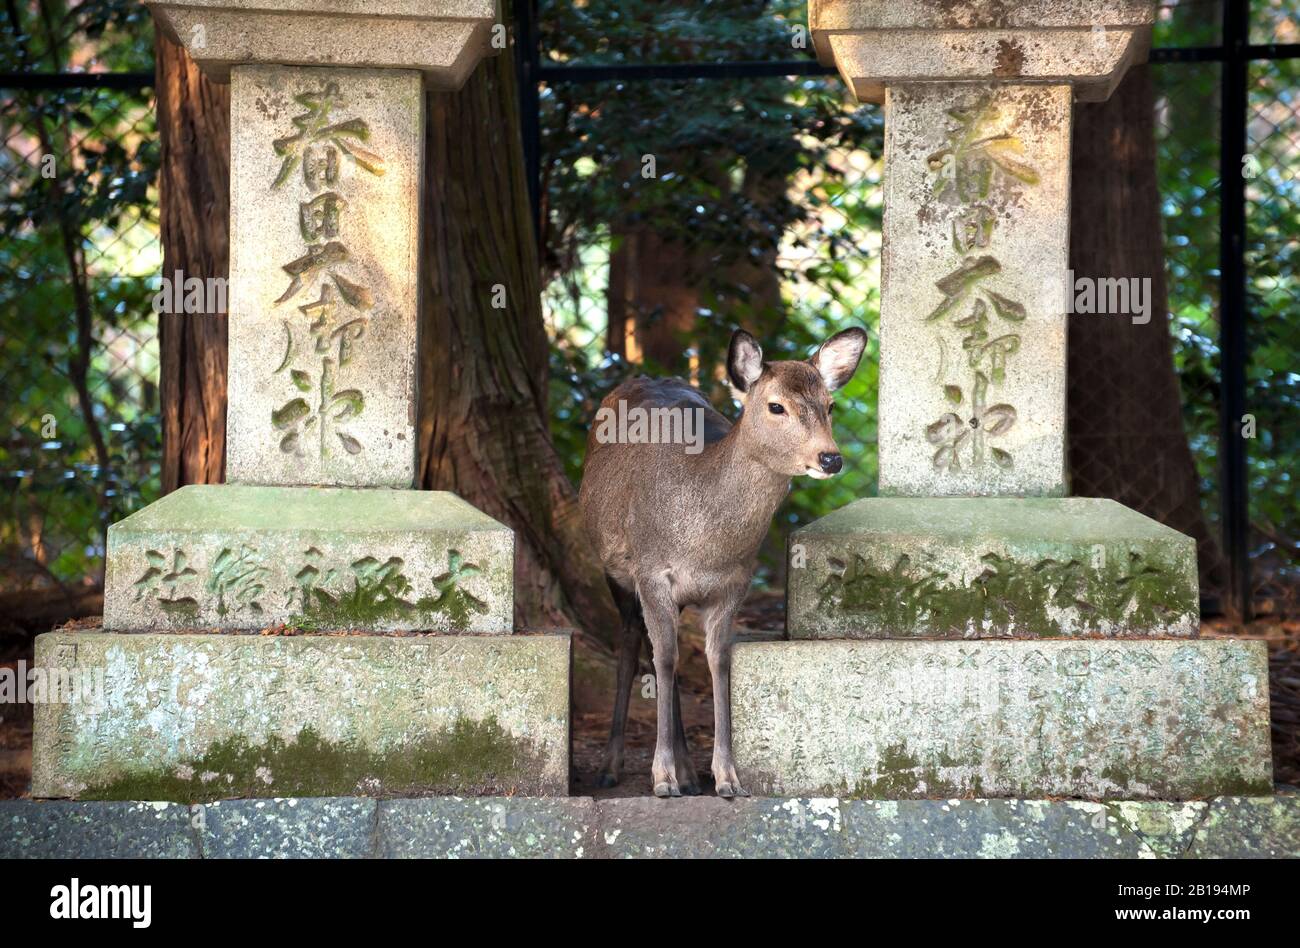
(193, 718)
(1003, 567)
(974, 632)
(1092, 719)
(237, 556)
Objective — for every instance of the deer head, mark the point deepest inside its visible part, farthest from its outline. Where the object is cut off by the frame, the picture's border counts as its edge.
(786, 421)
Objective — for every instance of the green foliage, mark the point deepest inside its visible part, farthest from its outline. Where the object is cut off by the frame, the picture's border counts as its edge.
(1187, 137)
(78, 200)
(1273, 261)
(1188, 143)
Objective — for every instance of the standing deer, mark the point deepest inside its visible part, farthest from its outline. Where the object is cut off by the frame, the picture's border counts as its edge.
(677, 526)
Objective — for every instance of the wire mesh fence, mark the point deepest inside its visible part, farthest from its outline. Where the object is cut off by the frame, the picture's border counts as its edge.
(1188, 159)
(78, 353)
(1272, 250)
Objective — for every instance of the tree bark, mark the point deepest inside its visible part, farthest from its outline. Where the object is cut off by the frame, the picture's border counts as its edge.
(655, 292)
(484, 428)
(1127, 439)
(194, 186)
(658, 283)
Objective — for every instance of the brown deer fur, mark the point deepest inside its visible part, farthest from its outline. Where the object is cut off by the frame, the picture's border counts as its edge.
(674, 528)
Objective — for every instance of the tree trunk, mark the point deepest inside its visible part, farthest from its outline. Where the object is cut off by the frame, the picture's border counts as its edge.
(658, 283)
(654, 291)
(194, 185)
(1127, 439)
(484, 429)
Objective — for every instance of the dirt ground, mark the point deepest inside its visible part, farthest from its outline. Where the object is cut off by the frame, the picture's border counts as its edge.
(15, 748)
(593, 696)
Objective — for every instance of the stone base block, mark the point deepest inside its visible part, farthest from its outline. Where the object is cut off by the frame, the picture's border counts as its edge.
(243, 557)
(642, 827)
(1162, 719)
(203, 717)
(990, 567)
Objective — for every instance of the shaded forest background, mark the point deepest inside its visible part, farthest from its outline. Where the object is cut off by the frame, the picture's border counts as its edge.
(763, 211)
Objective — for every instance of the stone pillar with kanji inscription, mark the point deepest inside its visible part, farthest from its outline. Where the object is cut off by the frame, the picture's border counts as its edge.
(974, 630)
(318, 530)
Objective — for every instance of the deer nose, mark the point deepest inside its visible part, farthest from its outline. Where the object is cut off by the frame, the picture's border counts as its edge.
(831, 463)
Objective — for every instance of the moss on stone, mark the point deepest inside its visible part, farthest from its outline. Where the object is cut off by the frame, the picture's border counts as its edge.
(901, 775)
(898, 775)
(471, 757)
(1229, 783)
(1135, 591)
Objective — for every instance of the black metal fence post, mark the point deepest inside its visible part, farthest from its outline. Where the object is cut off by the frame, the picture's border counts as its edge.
(1233, 302)
(527, 53)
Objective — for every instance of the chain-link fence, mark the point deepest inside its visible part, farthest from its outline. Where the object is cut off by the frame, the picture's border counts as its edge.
(730, 183)
(79, 257)
(1272, 377)
(78, 353)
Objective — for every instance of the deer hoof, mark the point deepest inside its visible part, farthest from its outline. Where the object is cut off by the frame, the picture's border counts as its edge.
(729, 790)
(607, 780)
(666, 789)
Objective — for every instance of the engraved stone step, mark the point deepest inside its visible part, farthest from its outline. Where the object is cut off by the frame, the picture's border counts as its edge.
(203, 717)
(990, 567)
(1165, 719)
(242, 557)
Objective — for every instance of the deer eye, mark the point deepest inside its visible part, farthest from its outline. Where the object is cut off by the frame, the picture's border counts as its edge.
(776, 408)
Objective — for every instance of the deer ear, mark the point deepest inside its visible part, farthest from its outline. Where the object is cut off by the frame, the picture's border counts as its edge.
(744, 360)
(838, 357)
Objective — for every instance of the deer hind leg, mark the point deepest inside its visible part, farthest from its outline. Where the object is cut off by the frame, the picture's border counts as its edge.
(687, 779)
(661, 613)
(629, 656)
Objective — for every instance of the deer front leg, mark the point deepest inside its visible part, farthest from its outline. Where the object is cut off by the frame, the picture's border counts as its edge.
(660, 612)
(718, 638)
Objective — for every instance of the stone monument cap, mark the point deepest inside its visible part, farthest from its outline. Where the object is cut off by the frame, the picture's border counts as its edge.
(443, 39)
(1088, 44)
